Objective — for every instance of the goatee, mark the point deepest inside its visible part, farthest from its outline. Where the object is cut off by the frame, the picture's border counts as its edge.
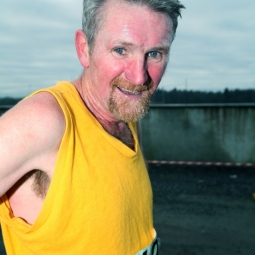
(126, 108)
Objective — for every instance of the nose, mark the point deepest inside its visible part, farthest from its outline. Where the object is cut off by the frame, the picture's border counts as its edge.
(136, 71)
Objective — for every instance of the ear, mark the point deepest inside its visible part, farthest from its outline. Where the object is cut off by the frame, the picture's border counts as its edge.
(82, 48)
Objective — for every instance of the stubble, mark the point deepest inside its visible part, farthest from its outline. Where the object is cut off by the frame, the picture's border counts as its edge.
(129, 109)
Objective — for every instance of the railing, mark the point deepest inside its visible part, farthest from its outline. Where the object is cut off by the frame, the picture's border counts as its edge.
(235, 105)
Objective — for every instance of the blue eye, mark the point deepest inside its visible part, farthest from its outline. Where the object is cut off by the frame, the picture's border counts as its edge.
(153, 54)
(120, 51)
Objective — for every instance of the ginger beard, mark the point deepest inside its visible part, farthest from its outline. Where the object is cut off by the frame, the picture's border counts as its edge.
(129, 109)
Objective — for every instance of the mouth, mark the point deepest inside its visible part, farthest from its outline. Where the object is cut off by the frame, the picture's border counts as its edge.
(136, 91)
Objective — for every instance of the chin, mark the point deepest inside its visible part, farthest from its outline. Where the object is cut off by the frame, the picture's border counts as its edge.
(128, 109)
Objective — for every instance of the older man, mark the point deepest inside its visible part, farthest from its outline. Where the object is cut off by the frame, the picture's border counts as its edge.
(72, 175)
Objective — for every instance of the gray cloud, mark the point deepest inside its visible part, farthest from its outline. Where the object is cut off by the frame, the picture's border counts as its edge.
(214, 47)
(37, 44)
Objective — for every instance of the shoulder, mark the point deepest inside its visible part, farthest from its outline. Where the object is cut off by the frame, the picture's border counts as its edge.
(35, 123)
(38, 113)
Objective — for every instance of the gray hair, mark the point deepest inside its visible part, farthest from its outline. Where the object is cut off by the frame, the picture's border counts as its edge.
(93, 15)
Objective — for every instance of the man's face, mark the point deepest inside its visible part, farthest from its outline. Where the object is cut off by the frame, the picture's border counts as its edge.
(128, 60)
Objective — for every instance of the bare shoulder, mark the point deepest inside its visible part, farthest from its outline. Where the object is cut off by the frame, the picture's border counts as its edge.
(36, 119)
(29, 134)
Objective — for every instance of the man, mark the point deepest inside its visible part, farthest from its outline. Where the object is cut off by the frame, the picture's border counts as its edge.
(72, 175)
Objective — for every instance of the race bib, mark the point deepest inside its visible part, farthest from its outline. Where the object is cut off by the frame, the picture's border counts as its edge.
(151, 249)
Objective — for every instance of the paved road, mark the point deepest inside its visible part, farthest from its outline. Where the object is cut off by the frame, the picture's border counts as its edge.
(203, 210)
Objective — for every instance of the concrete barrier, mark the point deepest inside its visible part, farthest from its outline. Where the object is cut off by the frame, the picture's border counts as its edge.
(224, 133)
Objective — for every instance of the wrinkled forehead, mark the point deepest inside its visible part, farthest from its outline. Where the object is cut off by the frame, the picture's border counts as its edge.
(126, 16)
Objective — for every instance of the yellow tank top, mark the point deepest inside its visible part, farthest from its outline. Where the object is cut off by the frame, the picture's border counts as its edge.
(99, 200)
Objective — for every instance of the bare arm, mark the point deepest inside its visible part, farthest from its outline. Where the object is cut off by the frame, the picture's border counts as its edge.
(30, 134)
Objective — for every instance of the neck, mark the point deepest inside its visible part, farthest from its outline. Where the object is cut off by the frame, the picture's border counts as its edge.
(119, 130)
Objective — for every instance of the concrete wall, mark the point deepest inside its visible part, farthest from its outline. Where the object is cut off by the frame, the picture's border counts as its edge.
(200, 133)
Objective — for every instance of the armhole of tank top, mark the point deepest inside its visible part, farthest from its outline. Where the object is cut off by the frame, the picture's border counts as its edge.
(61, 102)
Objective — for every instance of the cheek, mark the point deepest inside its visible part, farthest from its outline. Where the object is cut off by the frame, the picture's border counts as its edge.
(107, 71)
(156, 73)
(112, 69)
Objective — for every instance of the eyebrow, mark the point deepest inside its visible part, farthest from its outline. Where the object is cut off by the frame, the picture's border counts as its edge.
(164, 49)
(123, 43)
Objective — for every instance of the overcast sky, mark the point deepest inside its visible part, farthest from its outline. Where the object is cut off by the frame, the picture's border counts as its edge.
(214, 47)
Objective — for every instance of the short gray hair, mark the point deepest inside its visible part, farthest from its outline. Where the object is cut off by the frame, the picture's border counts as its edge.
(93, 14)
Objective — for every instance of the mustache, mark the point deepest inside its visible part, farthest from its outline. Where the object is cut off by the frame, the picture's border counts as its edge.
(124, 84)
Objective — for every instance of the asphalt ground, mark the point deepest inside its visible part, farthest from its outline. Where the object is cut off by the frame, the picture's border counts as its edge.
(203, 210)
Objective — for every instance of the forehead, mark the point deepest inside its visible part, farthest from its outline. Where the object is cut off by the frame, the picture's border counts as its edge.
(135, 24)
